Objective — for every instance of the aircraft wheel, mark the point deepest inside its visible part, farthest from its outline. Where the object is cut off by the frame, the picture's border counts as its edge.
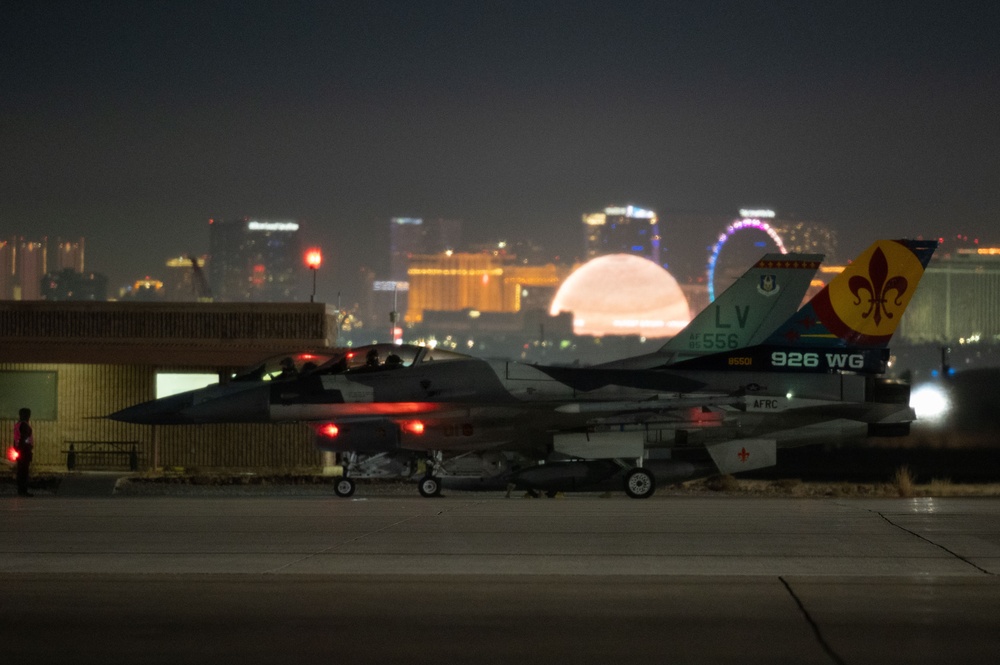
(640, 484)
(429, 486)
(344, 487)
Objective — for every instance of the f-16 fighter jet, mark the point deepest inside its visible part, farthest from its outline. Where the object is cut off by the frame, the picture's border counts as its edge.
(441, 416)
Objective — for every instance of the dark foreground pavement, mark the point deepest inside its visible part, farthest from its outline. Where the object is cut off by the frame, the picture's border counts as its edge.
(582, 580)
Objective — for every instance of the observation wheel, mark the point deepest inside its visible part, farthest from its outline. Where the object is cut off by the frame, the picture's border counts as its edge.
(756, 239)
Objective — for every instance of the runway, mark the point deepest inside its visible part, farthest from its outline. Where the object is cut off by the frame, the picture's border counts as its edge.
(585, 580)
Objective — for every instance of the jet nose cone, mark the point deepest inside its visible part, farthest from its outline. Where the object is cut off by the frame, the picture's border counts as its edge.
(164, 411)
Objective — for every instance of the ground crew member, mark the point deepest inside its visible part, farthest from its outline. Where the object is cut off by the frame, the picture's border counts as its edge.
(24, 444)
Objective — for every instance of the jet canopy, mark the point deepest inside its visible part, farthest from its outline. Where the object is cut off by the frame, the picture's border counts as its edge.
(382, 357)
(287, 365)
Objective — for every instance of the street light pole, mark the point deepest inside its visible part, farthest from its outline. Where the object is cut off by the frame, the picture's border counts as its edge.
(314, 259)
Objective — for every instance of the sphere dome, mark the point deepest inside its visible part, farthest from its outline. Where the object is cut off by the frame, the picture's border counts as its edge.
(622, 294)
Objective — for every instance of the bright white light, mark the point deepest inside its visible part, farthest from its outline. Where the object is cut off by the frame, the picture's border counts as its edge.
(756, 213)
(384, 285)
(170, 383)
(930, 402)
(272, 226)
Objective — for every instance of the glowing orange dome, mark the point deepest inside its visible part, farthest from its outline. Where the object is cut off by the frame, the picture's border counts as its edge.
(622, 294)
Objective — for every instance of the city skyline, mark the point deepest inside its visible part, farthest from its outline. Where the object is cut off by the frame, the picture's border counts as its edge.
(131, 124)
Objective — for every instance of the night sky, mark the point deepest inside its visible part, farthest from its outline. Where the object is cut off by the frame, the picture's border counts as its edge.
(132, 123)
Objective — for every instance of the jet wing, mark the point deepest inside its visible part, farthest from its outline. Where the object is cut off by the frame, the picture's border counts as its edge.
(586, 379)
(660, 404)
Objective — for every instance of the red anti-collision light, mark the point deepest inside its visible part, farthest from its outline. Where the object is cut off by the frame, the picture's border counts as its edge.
(414, 427)
(329, 430)
(314, 259)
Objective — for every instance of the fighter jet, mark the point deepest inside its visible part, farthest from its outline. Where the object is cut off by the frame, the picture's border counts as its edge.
(434, 414)
(756, 303)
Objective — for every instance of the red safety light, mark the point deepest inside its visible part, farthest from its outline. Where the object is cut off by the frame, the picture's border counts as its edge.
(314, 258)
(414, 427)
(12, 454)
(329, 430)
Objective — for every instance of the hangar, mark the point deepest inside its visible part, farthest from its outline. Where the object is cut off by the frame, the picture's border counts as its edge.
(73, 362)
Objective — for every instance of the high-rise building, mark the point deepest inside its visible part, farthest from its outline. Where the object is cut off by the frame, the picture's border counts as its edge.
(622, 230)
(409, 236)
(406, 238)
(185, 280)
(65, 254)
(7, 276)
(254, 260)
(24, 264)
(30, 268)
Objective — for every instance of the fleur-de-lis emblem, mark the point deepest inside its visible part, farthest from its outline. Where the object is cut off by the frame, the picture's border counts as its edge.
(878, 288)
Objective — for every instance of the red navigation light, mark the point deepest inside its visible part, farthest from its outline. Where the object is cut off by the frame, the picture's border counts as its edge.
(414, 427)
(314, 258)
(329, 430)
(12, 454)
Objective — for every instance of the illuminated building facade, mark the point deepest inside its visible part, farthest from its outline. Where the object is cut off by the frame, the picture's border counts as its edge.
(453, 282)
(958, 301)
(254, 260)
(622, 230)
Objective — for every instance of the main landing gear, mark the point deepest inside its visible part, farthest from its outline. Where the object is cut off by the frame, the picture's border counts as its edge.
(640, 483)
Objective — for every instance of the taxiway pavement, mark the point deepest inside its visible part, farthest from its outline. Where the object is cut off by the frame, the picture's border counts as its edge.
(582, 580)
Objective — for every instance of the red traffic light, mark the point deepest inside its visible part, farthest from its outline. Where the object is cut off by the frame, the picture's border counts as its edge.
(314, 258)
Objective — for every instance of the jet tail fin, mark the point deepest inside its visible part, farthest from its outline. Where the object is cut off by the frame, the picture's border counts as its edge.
(847, 325)
(751, 308)
(861, 307)
(743, 315)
